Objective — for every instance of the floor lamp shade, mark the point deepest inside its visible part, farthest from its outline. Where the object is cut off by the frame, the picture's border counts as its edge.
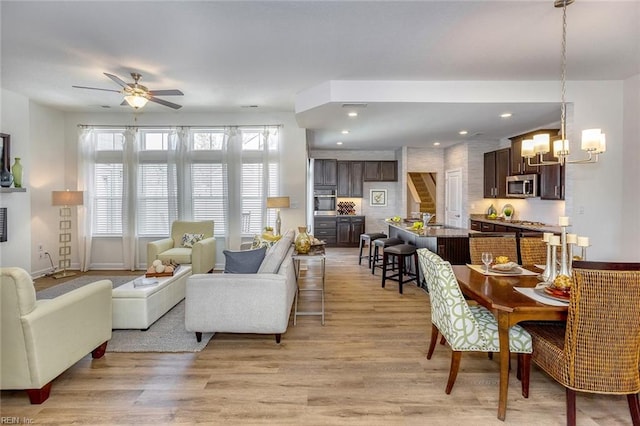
(65, 199)
(278, 203)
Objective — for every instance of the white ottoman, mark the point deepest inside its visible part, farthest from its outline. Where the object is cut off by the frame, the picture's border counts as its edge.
(139, 307)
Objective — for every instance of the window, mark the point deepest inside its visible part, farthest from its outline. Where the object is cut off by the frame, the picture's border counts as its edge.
(191, 174)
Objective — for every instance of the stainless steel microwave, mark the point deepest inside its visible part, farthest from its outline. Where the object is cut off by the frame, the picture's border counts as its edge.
(522, 186)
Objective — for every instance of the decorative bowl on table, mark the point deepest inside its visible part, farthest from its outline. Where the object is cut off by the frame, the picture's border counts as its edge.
(504, 267)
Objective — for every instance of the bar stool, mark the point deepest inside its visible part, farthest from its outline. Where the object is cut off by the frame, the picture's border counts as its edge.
(368, 239)
(401, 253)
(379, 245)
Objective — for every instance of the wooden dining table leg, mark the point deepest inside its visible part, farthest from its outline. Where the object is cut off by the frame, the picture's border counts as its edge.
(503, 334)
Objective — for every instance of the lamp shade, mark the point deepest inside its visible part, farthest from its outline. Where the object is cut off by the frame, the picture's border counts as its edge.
(136, 101)
(277, 202)
(67, 198)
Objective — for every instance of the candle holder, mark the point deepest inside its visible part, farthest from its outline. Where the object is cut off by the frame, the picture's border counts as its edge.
(553, 272)
(547, 269)
(565, 269)
(584, 253)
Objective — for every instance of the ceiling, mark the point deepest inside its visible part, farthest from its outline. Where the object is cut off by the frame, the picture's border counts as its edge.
(231, 56)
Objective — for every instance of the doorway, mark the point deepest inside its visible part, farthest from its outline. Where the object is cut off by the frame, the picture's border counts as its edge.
(453, 198)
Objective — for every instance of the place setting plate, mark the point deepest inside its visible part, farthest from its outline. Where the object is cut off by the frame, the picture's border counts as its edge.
(547, 289)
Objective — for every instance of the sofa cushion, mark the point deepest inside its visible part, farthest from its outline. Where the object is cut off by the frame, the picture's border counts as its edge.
(178, 255)
(188, 240)
(276, 254)
(262, 241)
(243, 262)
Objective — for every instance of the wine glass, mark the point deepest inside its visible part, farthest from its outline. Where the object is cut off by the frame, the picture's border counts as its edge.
(487, 258)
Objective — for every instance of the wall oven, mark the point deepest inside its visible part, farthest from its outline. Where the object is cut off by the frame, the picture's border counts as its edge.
(523, 186)
(324, 202)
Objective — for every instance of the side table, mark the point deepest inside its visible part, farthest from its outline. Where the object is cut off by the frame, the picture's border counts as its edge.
(314, 255)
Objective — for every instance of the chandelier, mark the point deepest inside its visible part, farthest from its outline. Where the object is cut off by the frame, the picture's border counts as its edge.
(593, 140)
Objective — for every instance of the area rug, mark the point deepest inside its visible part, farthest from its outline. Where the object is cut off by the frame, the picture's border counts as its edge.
(165, 335)
(59, 289)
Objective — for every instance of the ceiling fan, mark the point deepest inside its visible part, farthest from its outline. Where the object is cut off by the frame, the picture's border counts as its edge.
(137, 95)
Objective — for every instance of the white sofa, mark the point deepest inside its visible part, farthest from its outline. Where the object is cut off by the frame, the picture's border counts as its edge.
(245, 303)
(42, 338)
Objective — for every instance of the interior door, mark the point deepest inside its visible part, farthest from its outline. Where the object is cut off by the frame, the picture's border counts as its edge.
(453, 198)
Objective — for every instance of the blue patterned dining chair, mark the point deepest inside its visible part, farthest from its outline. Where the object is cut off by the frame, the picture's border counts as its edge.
(466, 328)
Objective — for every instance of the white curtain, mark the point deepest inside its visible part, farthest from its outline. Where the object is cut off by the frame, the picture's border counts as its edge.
(129, 197)
(232, 157)
(86, 175)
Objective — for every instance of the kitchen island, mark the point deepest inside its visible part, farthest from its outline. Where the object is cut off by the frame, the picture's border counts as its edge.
(452, 244)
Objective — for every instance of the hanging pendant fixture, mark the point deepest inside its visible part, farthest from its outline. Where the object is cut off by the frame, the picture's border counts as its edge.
(593, 140)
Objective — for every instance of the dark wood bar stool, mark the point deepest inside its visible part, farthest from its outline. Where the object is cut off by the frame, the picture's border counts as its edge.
(369, 239)
(378, 246)
(401, 253)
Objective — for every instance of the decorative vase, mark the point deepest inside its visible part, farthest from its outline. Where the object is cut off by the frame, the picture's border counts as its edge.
(492, 211)
(16, 170)
(303, 241)
(6, 179)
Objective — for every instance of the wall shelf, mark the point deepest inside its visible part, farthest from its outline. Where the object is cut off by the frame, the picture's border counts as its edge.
(3, 190)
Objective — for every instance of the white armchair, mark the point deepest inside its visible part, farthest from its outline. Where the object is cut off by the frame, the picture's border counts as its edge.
(201, 255)
(42, 338)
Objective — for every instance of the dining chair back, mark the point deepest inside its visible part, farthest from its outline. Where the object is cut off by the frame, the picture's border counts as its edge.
(533, 250)
(496, 243)
(465, 328)
(598, 351)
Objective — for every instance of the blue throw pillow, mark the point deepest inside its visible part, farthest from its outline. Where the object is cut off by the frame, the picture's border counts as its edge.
(243, 262)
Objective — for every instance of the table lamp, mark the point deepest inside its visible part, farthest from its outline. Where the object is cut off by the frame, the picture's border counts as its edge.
(278, 203)
(65, 199)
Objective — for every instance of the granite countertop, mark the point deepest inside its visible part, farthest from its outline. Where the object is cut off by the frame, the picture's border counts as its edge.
(434, 230)
(522, 224)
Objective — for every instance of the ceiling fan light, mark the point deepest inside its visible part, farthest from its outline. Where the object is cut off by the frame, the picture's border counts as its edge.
(136, 101)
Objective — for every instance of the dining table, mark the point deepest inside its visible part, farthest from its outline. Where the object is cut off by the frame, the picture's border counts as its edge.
(498, 293)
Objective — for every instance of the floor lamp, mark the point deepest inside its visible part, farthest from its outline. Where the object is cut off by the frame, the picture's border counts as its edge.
(65, 199)
(278, 203)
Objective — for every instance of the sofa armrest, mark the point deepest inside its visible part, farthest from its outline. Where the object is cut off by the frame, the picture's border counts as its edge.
(203, 256)
(154, 248)
(61, 331)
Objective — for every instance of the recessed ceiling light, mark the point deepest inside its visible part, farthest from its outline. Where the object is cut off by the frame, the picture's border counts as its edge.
(436, 144)
(463, 132)
(338, 143)
(353, 114)
(506, 115)
(345, 132)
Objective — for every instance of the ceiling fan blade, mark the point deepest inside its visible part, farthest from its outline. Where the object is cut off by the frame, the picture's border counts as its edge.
(118, 80)
(169, 92)
(96, 88)
(165, 103)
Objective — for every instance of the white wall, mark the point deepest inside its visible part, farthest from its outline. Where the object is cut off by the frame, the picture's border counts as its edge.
(14, 114)
(107, 252)
(630, 212)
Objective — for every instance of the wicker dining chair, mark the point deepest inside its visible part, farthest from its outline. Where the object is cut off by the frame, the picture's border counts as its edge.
(533, 250)
(497, 243)
(466, 328)
(598, 351)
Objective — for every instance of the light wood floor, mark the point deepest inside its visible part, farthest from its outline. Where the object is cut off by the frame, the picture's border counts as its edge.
(365, 366)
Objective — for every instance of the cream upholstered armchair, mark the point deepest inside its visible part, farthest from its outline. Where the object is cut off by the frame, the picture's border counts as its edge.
(42, 338)
(190, 242)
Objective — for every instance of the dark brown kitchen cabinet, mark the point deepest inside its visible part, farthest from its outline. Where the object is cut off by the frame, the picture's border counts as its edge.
(325, 172)
(496, 169)
(350, 174)
(552, 178)
(324, 228)
(380, 171)
(348, 230)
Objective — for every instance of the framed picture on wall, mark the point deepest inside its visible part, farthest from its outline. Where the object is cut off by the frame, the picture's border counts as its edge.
(378, 197)
(5, 152)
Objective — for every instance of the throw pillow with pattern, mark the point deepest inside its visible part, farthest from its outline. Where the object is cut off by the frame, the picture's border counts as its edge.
(188, 240)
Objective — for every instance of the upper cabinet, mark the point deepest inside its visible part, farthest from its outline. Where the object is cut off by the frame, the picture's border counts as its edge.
(496, 169)
(519, 165)
(325, 172)
(350, 174)
(552, 178)
(380, 171)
